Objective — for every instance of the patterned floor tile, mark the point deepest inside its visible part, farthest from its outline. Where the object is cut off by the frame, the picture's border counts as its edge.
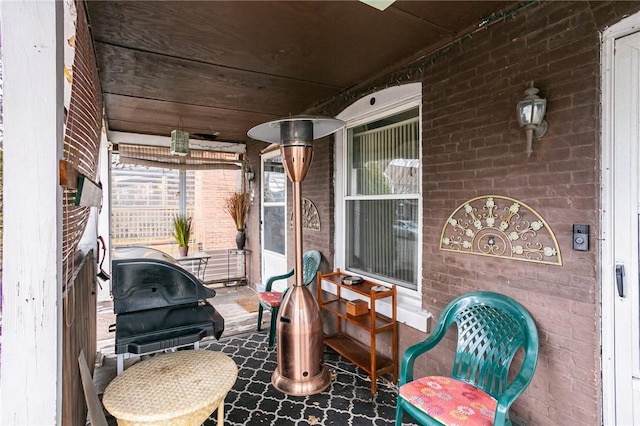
(254, 401)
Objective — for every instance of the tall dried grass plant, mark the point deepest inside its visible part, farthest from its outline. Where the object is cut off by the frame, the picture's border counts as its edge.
(237, 206)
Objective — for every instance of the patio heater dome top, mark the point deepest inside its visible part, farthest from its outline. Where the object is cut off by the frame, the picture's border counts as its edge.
(295, 130)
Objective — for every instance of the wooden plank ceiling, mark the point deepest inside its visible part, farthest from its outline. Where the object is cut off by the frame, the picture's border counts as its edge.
(225, 66)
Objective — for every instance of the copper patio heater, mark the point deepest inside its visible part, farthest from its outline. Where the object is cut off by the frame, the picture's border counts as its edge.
(300, 369)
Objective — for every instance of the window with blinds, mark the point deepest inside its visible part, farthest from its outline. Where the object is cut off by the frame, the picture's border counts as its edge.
(382, 194)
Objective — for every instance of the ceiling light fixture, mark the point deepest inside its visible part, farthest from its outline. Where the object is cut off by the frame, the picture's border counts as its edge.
(530, 112)
(378, 4)
(179, 140)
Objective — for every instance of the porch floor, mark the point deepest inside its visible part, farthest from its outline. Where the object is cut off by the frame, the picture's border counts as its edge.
(253, 399)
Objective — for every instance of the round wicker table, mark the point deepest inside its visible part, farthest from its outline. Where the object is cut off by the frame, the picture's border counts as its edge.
(177, 388)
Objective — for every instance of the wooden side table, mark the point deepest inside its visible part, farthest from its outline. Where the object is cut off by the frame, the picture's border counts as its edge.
(335, 298)
(177, 388)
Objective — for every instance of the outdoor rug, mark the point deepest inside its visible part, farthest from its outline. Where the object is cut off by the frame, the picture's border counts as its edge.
(249, 304)
(254, 401)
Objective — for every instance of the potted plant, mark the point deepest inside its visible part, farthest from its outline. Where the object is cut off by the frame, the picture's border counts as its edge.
(237, 206)
(182, 233)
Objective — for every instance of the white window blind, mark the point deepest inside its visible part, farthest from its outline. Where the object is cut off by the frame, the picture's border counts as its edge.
(382, 198)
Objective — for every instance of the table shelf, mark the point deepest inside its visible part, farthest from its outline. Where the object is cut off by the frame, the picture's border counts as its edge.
(237, 267)
(338, 307)
(198, 262)
(358, 353)
(366, 357)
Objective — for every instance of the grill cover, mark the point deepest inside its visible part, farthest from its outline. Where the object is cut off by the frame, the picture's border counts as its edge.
(144, 278)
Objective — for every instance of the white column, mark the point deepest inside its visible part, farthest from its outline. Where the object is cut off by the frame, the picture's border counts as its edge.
(32, 40)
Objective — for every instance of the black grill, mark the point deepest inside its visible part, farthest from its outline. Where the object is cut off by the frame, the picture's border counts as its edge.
(159, 305)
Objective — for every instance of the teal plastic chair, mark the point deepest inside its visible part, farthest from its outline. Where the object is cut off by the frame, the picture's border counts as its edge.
(491, 329)
(271, 300)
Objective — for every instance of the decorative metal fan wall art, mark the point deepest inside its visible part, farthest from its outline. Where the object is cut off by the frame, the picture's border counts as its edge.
(310, 216)
(493, 225)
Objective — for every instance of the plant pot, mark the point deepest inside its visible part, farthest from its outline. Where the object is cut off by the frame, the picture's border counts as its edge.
(240, 239)
(183, 251)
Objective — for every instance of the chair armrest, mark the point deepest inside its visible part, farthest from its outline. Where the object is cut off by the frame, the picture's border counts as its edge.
(521, 381)
(277, 278)
(514, 389)
(414, 351)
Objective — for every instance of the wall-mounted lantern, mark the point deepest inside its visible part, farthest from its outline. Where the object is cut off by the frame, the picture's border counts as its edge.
(530, 112)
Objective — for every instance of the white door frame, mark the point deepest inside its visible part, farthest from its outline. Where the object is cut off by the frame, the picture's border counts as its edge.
(272, 257)
(607, 262)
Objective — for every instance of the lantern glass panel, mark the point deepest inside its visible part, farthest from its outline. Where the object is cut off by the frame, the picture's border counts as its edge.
(539, 107)
(179, 142)
(531, 111)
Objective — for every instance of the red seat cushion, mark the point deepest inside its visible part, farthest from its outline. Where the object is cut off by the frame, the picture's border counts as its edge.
(271, 298)
(450, 401)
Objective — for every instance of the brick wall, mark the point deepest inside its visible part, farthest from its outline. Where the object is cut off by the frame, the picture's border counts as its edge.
(213, 226)
(318, 188)
(473, 146)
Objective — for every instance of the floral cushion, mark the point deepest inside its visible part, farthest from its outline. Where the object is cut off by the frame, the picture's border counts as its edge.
(450, 401)
(270, 298)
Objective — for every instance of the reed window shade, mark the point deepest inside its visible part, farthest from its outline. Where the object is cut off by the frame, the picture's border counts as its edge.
(382, 199)
(82, 132)
(161, 157)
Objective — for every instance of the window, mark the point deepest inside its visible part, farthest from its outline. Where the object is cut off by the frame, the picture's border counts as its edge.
(274, 199)
(145, 199)
(378, 191)
(382, 198)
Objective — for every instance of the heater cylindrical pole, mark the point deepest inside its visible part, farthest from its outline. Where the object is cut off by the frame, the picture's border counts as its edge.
(297, 231)
(296, 159)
